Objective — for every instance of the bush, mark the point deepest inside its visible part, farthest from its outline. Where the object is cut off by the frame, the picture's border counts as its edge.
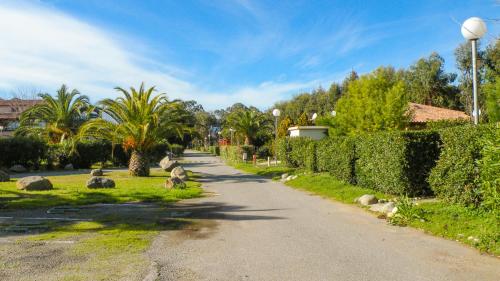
(490, 173)
(264, 151)
(158, 152)
(298, 152)
(233, 153)
(21, 150)
(214, 150)
(456, 175)
(177, 149)
(91, 152)
(397, 162)
(337, 156)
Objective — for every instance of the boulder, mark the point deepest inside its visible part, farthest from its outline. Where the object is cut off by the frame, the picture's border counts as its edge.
(4, 176)
(168, 165)
(18, 169)
(284, 176)
(175, 182)
(179, 172)
(98, 182)
(34, 183)
(388, 207)
(96, 172)
(69, 167)
(367, 199)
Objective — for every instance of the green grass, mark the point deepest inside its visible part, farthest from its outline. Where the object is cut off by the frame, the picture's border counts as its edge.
(327, 186)
(450, 221)
(459, 223)
(273, 172)
(71, 190)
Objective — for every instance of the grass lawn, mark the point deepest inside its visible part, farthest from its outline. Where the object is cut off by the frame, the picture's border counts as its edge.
(110, 245)
(71, 190)
(273, 172)
(473, 227)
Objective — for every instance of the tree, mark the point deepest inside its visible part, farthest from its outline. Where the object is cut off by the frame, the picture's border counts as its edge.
(247, 123)
(283, 126)
(135, 122)
(464, 64)
(491, 86)
(374, 102)
(56, 119)
(427, 83)
(303, 120)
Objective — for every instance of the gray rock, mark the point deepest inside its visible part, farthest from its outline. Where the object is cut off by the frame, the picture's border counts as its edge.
(4, 176)
(98, 182)
(168, 165)
(175, 182)
(33, 183)
(18, 169)
(96, 172)
(294, 177)
(284, 176)
(388, 207)
(179, 172)
(69, 167)
(367, 199)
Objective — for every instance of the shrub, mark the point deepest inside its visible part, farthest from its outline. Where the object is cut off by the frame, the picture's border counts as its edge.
(397, 162)
(233, 153)
(406, 212)
(490, 173)
(337, 156)
(21, 150)
(91, 152)
(456, 175)
(298, 152)
(120, 156)
(264, 151)
(214, 150)
(158, 152)
(177, 149)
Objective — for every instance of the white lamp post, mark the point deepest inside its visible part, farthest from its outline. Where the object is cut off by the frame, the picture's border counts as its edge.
(276, 114)
(473, 29)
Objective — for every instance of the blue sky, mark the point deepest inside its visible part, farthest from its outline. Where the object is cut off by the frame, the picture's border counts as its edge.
(221, 52)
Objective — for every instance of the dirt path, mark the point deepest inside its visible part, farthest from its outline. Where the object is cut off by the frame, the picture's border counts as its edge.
(256, 229)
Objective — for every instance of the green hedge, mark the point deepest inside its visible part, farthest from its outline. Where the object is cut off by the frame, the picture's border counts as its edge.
(298, 152)
(456, 175)
(337, 156)
(177, 149)
(233, 153)
(214, 150)
(24, 151)
(397, 162)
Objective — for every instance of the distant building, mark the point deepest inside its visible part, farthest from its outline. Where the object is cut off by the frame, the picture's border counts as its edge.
(10, 111)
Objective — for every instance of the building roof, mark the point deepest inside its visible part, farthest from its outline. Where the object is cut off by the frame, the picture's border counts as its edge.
(10, 110)
(426, 113)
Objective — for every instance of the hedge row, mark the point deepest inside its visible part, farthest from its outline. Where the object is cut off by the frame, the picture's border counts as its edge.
(233, 153)
(32, 153)
(457, 176)
(446, 162)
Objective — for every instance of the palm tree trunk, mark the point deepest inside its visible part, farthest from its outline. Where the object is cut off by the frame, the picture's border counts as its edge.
(138, 165)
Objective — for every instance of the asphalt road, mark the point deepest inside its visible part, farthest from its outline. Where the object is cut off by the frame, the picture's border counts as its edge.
(255, 229)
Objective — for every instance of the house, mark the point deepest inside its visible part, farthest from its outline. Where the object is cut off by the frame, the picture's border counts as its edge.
(421, 114)
(10, 111)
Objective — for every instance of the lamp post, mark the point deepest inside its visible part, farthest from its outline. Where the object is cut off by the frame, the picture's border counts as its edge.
(231, 130)
(276, 114)
(473, 29)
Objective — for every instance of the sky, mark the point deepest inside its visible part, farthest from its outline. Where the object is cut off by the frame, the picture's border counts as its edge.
(219, 52)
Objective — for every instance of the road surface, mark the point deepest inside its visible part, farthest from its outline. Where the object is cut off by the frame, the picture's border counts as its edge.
(251, 228)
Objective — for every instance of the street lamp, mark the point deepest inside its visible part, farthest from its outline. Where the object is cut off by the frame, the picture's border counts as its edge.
(473, 29)
(276, 114)
(231, 130)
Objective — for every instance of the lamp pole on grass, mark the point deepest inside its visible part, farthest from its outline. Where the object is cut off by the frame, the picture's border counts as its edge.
(276, 114)
(473, 29)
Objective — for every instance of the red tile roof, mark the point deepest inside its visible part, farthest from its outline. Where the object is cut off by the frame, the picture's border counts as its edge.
(425, 113)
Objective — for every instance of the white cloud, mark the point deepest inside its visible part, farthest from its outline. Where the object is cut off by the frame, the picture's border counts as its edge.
(44, 48)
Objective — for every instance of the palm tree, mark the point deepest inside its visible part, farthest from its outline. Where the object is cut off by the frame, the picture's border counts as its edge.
(247, 123)
(56, 118)
(135, 122)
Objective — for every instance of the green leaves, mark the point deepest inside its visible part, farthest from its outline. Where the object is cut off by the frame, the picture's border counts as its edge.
(374, 102)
